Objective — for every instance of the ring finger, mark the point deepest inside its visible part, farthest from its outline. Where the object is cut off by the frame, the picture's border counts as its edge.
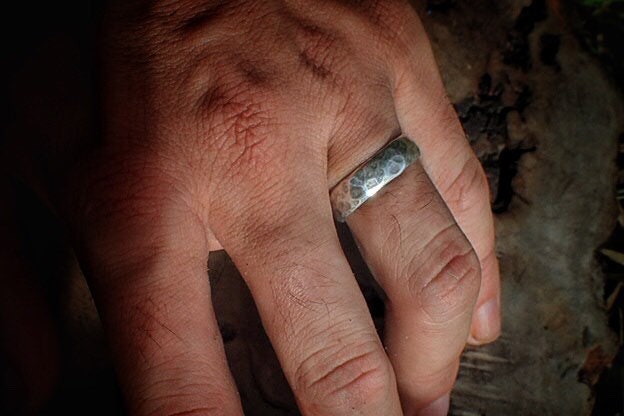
(431, 277)
(421, 258)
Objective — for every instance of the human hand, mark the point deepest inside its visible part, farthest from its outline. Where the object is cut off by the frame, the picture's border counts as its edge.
(225, 125)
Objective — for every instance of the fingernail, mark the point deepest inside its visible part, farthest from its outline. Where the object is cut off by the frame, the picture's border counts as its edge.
(487, 324)
(440, 407)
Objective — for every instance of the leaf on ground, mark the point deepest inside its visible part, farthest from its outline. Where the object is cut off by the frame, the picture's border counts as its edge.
(613, 255)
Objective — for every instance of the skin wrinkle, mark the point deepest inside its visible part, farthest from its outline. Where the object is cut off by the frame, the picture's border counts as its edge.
(196, 83)
(200, 411)
(286, 318)
(287, 277)
(465, 271)
(209, 25)
(331, 51)
(388, 246)
(291, 277)
(336, 323)
(402, 277)
(210, 100)
(147, 313)
(399, 233)
(244, 127)
(351, 384)
(464, 290)
(400, 198)
(200, 368)
(299, 294)
(450, 246)
(317, 50)
(184, 398)
(253, 73)
(207, 16)
(184, 389)
(317, 360)
(455, 153)
(464, 185)
(233, 130)
(388, 19)
(287, 227)
(397, 198)
(245, 237)
(425, 201)
(323, 377)
(146, 324)
(162, 324)
(259, 232)
(183, 386)
(319, 69)
(416, 285)
(360, 360)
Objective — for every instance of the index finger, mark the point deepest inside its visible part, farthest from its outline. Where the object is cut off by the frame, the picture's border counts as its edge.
(145, 259)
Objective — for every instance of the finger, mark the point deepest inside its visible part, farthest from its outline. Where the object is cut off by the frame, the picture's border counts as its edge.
(29, 344)
(426, 115)
(287, 249)
(430, 275)
(146, 263)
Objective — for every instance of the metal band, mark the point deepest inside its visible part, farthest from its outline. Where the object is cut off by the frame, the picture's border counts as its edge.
(365, 181)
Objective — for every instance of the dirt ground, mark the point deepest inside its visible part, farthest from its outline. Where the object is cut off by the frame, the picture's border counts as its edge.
(540, 99)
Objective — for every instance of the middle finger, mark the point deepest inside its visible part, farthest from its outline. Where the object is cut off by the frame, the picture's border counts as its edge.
(285, 244)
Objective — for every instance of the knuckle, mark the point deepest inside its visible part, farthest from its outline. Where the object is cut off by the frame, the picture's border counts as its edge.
(447, 284)
(192, 25)
(238, 118)
(389, 15)
(181, 21)
(344, 376)
(396, 26)
(320, 51)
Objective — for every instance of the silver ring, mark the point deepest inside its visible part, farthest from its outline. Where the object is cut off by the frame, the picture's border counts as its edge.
(365, 181)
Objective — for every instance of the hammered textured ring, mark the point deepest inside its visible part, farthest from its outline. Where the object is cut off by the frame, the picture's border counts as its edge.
(366, 180)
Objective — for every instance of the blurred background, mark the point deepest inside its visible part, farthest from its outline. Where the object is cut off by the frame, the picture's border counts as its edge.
(538, 86)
